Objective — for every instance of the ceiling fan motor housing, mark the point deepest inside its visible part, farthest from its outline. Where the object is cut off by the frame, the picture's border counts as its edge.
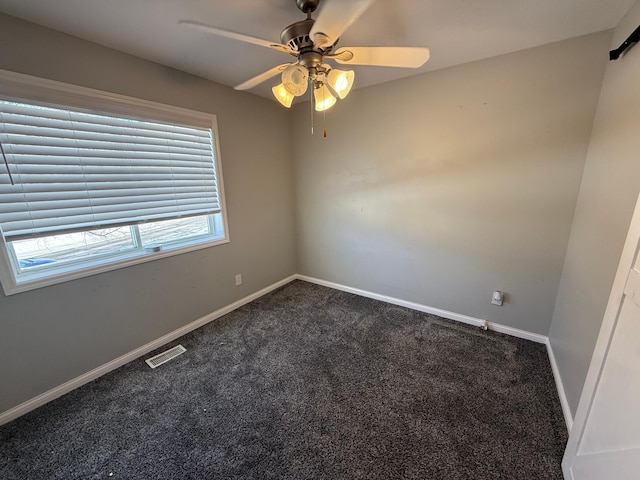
(296, 35)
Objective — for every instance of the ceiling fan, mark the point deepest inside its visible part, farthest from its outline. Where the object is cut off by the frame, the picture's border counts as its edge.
(312, 42)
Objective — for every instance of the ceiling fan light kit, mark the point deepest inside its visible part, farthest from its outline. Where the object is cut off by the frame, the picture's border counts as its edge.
(341, 81)
(323, 98)
(311, 42)
(282, 95)
(295, 79)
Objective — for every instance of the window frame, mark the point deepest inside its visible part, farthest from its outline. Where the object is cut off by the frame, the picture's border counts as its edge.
(16, 87)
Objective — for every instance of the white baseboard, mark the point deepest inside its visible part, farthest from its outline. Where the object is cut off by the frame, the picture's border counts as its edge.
(566, 411)
(478, 322)
(74, 383)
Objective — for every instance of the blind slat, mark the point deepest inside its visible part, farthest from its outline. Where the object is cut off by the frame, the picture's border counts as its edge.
(96, 160)
(125, 202)
(56, 128)
(116, 187)
(53, 114)
(71, 148)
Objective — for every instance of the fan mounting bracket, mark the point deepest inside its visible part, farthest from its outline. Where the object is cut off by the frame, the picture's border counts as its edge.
(307, 6)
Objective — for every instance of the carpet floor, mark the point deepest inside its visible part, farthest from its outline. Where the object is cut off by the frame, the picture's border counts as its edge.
(307, 382)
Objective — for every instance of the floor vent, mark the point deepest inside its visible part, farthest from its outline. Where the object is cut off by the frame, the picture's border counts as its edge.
(164, 357)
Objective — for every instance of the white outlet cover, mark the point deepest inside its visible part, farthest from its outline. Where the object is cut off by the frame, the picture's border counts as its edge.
(497, 298)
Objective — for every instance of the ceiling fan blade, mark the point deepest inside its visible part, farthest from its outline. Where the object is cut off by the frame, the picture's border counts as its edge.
(258, 79)
(236, 36)
(404, 57)
(334, 18)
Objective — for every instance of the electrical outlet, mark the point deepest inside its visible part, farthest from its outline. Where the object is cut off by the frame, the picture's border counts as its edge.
(238, 280)
(497, 298)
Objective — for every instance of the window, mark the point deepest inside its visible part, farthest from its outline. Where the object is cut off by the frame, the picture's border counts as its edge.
(91, 181)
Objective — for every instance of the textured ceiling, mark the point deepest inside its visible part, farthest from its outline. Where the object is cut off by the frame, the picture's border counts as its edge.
(456, 31)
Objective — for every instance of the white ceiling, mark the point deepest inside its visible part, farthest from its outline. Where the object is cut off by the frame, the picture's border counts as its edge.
(456, 31)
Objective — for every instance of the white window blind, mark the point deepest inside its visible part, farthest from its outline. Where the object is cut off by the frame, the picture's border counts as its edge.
(73, 171)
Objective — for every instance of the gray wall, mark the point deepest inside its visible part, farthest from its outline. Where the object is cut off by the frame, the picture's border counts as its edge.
(53, 334)
(442, 187)
(608, 193)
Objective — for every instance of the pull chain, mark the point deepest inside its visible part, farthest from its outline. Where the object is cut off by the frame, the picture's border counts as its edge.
(324, 122)
(311, 103)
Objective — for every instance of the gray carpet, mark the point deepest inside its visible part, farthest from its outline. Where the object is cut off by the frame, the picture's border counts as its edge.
(307, 383)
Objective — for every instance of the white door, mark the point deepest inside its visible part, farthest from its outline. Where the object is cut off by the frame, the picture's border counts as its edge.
(605, 439)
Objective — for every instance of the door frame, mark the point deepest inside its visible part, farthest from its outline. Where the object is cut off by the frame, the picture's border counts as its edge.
(603, 343)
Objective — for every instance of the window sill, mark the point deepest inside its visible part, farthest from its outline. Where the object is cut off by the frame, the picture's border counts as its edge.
(35, 280)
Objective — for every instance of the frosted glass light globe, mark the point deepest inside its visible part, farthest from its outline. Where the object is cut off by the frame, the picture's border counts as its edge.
(295, 79)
